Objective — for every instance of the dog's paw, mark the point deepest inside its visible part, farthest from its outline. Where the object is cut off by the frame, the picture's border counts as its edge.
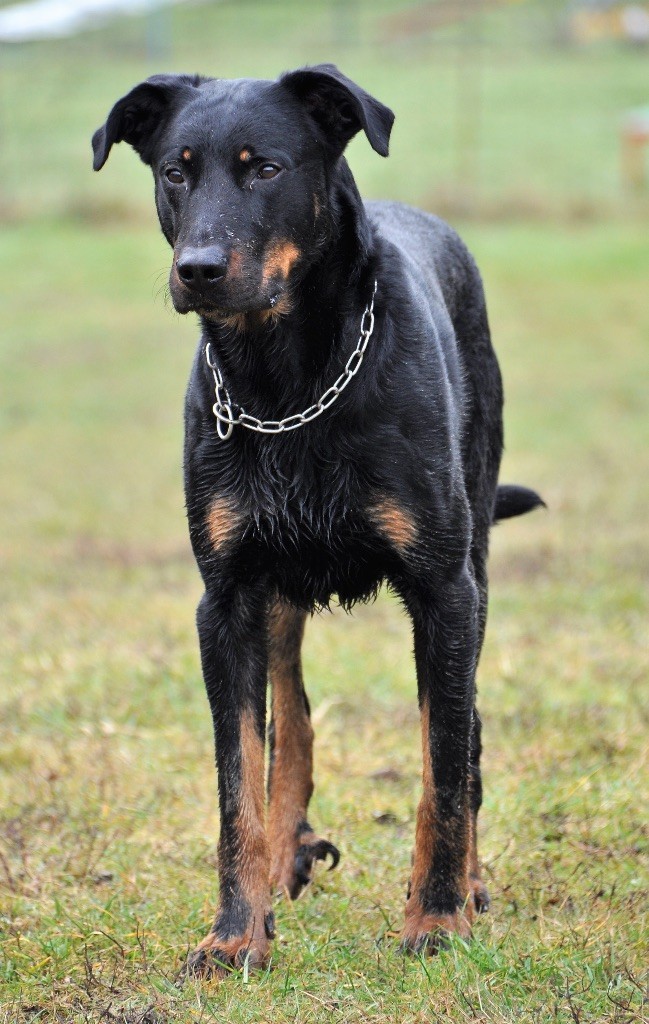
(216, 957)
(297, 871)
(429, 933)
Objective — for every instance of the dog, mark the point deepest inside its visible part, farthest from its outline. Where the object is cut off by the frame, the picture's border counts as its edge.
(343, 429)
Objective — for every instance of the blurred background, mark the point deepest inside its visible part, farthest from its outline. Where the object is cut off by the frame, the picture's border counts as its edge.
(504, 107)
(526, 124)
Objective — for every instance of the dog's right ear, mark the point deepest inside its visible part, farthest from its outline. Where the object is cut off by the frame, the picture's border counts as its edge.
(138, 117)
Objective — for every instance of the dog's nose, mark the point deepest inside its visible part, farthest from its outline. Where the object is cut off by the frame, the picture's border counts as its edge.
(200, 268)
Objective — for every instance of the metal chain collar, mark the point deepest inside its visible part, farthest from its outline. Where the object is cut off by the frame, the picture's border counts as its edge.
(226, 420)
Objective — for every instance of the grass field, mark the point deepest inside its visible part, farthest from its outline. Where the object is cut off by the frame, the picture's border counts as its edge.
(108, 810)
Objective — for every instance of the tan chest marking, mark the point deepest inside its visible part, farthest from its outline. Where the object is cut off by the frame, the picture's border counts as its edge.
(223, 522)
(393, 523)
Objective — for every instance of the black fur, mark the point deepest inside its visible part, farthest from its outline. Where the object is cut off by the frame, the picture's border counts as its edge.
(395, 483)
(515, 501)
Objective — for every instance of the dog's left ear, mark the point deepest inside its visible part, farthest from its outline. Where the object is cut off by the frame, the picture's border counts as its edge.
(339, 107)
(138, 116)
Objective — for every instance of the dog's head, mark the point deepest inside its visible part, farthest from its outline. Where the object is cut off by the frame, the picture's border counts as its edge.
(243, 172)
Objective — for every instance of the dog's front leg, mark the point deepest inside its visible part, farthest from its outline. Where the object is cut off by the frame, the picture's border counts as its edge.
(232, 631)
(294, 846)
(446, 637)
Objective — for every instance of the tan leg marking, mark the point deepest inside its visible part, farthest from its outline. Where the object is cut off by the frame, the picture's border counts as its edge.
(291, 782)
(393, 523)
(232, 953)
(254, 858)
(223, 521)
(425, 827)
(428, 931)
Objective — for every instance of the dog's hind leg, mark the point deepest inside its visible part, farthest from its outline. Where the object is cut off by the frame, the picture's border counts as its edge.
(480, 892)
(294, 847)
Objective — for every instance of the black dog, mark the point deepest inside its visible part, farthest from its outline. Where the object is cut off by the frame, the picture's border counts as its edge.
(355, 438)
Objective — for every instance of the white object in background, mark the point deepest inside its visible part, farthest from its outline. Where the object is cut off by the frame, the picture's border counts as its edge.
(51, 19)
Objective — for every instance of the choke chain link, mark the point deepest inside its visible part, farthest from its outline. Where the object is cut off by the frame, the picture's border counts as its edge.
(226, 420)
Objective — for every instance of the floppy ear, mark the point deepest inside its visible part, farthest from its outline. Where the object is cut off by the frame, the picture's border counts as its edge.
(340, 107)
(137, 117)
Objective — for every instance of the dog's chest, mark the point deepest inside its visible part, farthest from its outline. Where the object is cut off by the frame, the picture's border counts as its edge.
(305, 504)
(312, 551)
(305, 522)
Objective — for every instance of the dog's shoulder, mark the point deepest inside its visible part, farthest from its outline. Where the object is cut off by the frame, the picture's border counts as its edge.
(429, 249)
(408, 224)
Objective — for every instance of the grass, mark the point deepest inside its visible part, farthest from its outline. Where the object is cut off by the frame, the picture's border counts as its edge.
(109, 814)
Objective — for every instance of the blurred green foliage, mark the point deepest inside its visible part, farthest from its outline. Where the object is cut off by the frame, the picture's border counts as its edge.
(495, 113)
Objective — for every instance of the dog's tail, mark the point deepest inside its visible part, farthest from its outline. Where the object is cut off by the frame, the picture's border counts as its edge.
(512, 500)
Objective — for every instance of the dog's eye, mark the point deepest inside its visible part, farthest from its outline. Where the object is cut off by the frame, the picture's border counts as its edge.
(175, 176)
(268, 171)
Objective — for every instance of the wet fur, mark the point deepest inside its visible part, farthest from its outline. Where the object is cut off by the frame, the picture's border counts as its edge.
(396, 483)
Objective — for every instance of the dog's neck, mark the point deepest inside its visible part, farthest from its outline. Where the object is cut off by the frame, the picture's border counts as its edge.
(273, 364)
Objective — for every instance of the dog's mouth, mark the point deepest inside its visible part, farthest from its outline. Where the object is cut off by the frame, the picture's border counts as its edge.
(274, 306)
(253, 319)
(226, 301)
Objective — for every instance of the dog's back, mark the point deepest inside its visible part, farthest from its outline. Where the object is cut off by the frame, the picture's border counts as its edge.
(442, 276)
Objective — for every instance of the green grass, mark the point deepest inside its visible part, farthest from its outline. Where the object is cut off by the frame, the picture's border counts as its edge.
(109, 814)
